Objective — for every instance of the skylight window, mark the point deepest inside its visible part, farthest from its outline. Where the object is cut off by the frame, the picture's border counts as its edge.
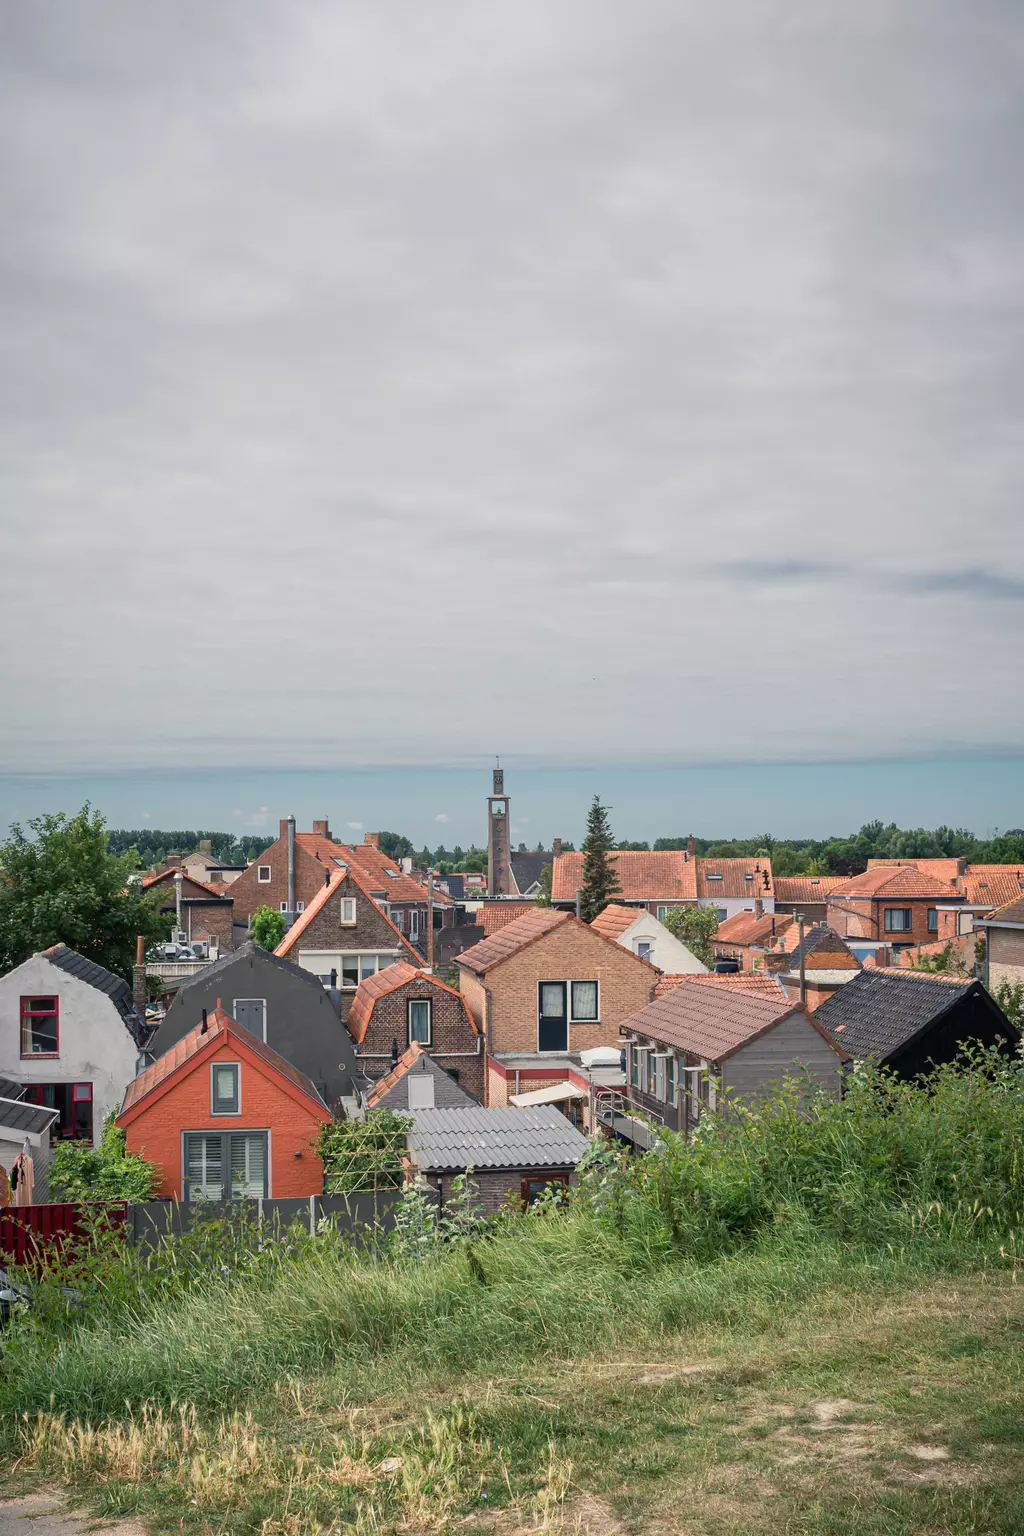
(392, 873)
(715, 877)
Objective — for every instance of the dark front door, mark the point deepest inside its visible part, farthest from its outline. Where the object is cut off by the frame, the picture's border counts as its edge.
(553, 1025)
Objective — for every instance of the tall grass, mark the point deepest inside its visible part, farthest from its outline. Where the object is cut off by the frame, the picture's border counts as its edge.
(766, 1208)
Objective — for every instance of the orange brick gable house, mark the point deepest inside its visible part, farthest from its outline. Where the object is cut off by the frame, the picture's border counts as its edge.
(893, 903)
(224, 1116)
(541, 990)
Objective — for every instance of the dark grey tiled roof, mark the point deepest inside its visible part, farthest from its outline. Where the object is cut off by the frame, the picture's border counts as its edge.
(528, 868)
(245, 952)
(9, 1089)
(820, 937)
(19, 1117)
(446, 1140)
(116, 988)
(879, 1012)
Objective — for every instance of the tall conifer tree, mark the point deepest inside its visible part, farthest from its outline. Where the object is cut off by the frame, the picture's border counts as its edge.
(600, 880)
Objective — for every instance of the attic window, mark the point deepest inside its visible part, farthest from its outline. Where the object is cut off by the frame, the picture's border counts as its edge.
(718, 877)
(815, 880)
(748, 877)
(263, 873)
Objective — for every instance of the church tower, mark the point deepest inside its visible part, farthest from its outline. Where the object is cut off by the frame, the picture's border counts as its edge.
(499, 873)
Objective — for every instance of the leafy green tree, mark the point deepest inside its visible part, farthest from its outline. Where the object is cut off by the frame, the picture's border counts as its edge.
(267, 927)
(544, 899)
(396, 846)
(108, 1172)
(1010, 997)
(600, 878)
(634, 847)
(695, 927)
(364, 1154)
(60, 885)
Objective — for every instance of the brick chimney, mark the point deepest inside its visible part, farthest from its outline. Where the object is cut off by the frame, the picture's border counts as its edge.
(372, 839)
(283, 828)
(322, 829)
(139, 988)
(206, 847)
(758, 907)
(556, 848)
(691, 847)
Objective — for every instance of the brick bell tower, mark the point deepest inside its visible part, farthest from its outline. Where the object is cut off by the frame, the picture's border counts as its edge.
(499, 873)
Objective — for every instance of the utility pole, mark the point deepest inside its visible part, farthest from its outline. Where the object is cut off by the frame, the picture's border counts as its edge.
(803, 978)
(430, 916)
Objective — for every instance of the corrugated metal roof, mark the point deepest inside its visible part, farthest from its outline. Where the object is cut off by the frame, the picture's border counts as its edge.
(451, 1140)
(19, 1117)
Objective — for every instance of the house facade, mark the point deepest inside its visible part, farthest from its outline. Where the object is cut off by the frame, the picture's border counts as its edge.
(207, 913)
(402, 1006)
(639, 931)
(735, 885)
(1004, 932)
(344, 936)
(71, 1036)
(416, 1082)
(224, 1117)
(747, 935)
(895, 904)
(544, 989)
(657, 881)
(279, 1002)
(515, 1155)
(806, 894)
(694, 1043)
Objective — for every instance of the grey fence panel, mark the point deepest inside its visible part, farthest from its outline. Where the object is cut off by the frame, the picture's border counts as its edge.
(350, 1214)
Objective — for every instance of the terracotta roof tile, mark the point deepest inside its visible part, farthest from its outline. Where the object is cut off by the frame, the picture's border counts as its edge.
(758, 983)
(512, 938)
(614, 920)
(738, 877)
(385, 1084)
(166, 877)
(375, 870)
(218, 1024)
(668, 876)
(711, 1022)
(992, 885)
(746, 928)
(1010, 912)
(894, 880)
(389, 980)
(807, 888)
(498, 914)
(944, 869)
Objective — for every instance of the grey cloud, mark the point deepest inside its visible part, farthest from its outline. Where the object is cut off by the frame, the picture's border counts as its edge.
(352, 371)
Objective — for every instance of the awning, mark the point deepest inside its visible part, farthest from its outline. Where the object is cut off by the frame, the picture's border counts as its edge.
(558, 1093)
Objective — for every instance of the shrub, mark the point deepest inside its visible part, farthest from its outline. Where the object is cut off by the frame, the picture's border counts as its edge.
(81, 1172)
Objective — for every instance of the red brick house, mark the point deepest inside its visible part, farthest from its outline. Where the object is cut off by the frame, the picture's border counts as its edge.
(344, 936)
(224, 1116)
(656, 881)
(543, 989)
(747, 935)
(895, 904)
(1004, 930)
(207, 912)
(265, 881)
(403, 1006)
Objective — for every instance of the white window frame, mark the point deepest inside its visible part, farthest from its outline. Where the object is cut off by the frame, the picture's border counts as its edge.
(424, 1045)
(284, 906)
(300, 906)
(348, 903)
(661, 914)
(234, 1012)
(587, 981)
(398, 918)
(414, 922)
(648, 945)
(225, 1114)
(264, 874)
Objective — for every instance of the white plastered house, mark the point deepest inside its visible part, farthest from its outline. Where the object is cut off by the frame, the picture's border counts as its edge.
(639, 931)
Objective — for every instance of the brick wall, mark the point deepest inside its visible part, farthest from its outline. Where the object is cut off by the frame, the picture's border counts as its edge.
(156, 1131)
(453, 1031)
(1005, 956)
(248, 892)
(493, 1190)
(210, 921)
(866, 919)
(570, 952)
(371, 933)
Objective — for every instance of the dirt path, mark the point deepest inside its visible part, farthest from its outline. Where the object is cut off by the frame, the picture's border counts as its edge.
(44, 1514)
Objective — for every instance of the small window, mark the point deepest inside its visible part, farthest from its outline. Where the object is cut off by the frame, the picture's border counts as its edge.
(284, 906)
(81, 1111)
(350, 970)
(263, 874)
(584, 1002)
(224, 1088)
(300, 906)
(40, 1034)
(723, 913)
(392, 874)
(670, 1080)
(644, 948)
(634, 1066)
(933, 919)
(898, 919)
(420, 1021)
(348, 911)
(662, 913)
(414, 923)
(711, 876)
(367, 966)
(398, 918)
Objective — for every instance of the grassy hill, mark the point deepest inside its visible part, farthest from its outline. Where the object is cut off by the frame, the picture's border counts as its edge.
(808, 1322)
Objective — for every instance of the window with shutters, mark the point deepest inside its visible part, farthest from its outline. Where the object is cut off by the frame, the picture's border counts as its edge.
(224, 1166)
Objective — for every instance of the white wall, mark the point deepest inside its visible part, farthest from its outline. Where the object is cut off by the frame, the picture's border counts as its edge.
(95, 1046)
(669, 953)
(734, 904)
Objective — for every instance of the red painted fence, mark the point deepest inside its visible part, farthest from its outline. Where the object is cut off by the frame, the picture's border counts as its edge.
(27, 1229)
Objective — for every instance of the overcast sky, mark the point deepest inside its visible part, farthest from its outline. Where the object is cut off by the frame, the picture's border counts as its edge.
(592, 383)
